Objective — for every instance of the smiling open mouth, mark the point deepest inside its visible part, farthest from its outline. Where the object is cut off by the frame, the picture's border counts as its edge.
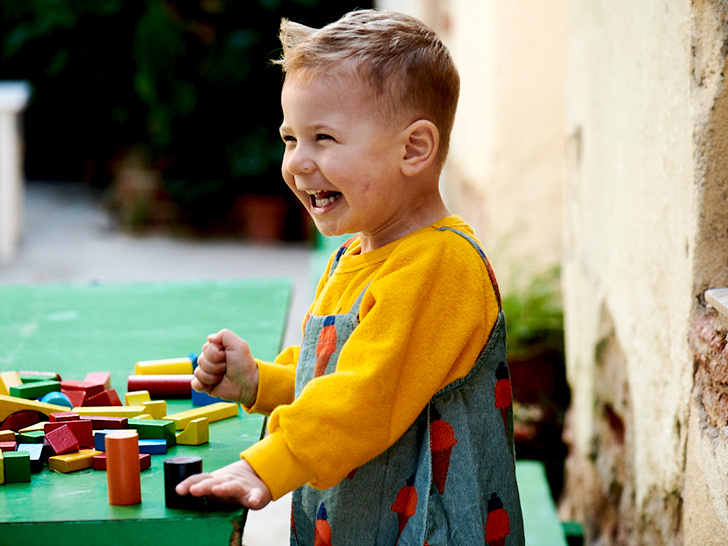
(321, 199)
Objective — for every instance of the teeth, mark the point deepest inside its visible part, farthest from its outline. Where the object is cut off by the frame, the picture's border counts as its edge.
(325, 201)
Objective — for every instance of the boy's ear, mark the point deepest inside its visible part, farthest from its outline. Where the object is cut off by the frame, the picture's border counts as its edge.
(421, 143)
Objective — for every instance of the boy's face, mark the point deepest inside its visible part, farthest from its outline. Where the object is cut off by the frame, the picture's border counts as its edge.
(342, 159)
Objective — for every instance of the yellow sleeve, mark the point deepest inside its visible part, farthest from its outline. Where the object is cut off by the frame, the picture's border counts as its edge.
(276, 382)
(423, 322)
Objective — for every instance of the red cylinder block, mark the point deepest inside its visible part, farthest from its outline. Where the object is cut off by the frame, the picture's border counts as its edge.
(123, 471)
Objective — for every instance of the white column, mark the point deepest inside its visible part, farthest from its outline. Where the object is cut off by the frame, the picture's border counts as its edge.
(13, 98)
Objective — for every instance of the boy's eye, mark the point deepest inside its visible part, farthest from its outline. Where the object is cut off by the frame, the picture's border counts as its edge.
(288, 139)
(323, 136)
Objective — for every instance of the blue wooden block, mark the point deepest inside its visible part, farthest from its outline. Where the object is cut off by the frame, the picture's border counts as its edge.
(35, 451)
(153, 447)
(57, 398)
(100, 438)
(204, 399)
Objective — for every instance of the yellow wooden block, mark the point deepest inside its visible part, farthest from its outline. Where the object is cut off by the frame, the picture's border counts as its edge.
(7, 436)
(213, 412)
(33, 428)
(168, 366)
(197, 432)
(156, 408)
(70, 462)
(110, 411)
(136, 398)
(7, 380)
(11, 404)
(144, 416)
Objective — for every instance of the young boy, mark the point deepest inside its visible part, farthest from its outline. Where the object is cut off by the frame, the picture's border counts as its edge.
(392, 421)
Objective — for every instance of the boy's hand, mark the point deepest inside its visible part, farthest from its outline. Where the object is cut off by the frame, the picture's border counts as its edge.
(226, 369)
(235, 483)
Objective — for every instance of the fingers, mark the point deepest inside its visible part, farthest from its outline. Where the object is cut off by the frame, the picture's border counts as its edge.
(224, 489)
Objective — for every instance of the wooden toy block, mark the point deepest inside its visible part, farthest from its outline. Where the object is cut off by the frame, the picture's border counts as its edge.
(17, 466)
(100, 422)
(196, 433)
(143, 416)
(162, 386)
(62, 440)
(177, 469)
(35, 389)
(156, 408)
(7, 435)
(136, 398)
(7, 380)
(79, 391)
(71, 462)
(30, 437)
(8, 446)
(158, 429)
(36, 455)
(11, 404)
(76, 397)
(27, 376)
(168, 366)
(58, 398)
(122, 468)
(145, 461)
(213, 412)
(109, 397)
(63, 416)
(20, 419)
(153, 447)
(100, 438)
(203, 399)
(110, 411)
(82, 430)
(2, 468)
(40, 425)
(99, 378)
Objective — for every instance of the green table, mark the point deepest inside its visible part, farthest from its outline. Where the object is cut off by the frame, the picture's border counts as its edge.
(76, 329)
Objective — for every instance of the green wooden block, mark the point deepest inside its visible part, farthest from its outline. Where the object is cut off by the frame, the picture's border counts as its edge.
(35, 389)
(17, 466)
(32, 437)
(155, 429)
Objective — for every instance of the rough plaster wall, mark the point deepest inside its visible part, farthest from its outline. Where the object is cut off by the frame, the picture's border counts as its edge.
(706, 491)
(630, 227)
(507, 167)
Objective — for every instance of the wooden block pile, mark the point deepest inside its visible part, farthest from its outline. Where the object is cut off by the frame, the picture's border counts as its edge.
(62, 424)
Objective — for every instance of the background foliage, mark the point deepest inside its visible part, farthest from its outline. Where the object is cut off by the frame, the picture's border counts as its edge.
(187, 84)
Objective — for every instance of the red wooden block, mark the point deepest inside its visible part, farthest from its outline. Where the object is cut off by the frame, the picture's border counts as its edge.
(63, 416)
(108, 397)
(99, 422)
(82, 430)
(8, 446)
(99, 378)
(99, 461)
(76, 397)
(75, 385)
(20, 419)
(62, 440)
(162, 386)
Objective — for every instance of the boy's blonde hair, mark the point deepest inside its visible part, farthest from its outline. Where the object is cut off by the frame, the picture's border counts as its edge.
(404, 63)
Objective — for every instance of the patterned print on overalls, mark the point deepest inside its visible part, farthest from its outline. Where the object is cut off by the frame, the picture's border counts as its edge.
(450, 479)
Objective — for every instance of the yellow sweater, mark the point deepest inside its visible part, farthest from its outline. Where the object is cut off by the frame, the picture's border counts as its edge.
(424, 319)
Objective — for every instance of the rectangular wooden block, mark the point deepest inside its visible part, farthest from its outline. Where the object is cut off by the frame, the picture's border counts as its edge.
(11, 404)
(145, 461)
(99, 378)
(156, 408)
(82, 430)
(62, 440)
(71, 462)
(35, 451)
(7, 380)
(110, 411)
(40, 425)
(158, 429)
(153, 447)
(9, 445)
(17, 466)
(27, 375)
(31, 437)
(136, 398)
(7, 435)
(63, 416)
(213, 412)
(109, 397)
(35, 389)
(101, 422)
(166, 366)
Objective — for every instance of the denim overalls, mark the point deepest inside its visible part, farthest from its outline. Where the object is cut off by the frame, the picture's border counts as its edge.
(450, 479)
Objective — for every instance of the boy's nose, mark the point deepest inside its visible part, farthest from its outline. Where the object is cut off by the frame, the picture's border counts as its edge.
(298, 162)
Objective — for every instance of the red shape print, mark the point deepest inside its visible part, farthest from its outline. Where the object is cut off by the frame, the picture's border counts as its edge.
(503, 393)
(326, 346)
(322, 533)
(497, 524)
(405, 505)
(442, 440)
